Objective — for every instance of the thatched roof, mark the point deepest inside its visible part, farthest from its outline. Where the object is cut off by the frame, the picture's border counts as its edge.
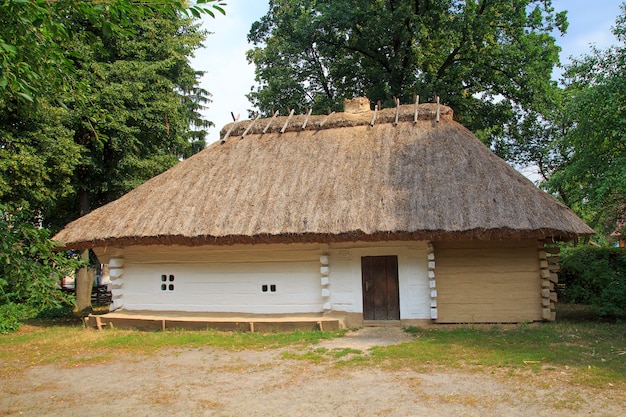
(338, 179)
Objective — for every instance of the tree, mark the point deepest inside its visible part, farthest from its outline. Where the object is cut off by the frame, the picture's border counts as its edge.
(31, 60)
(591, 177)
(137, 113)
(30, 269)
(95, 97)
(481, 57)
(39, 80)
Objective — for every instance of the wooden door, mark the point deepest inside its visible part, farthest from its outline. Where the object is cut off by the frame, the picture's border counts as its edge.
(381, 300)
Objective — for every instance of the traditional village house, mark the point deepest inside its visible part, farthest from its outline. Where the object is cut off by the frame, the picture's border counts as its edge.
(369, 216)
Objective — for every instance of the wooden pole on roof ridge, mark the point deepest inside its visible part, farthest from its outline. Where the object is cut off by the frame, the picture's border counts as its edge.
(416, 99)
(374, 115)
(287, 121)
(306, 119)
(326, 119)
(437, 115)
(270, 122)
(245, 132)
(397, 100)
(231, 128)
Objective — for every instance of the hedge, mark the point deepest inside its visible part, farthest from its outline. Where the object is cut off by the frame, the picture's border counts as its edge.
(594, 276)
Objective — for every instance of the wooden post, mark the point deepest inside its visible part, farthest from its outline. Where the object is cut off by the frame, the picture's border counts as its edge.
(326, 119)
(287, 121)
(270, 122)
(245, 132)
(397, 111)
(306, 119)
(415, 111)
(374, 115)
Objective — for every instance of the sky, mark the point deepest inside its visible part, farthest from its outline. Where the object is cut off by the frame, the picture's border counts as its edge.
(229, 77)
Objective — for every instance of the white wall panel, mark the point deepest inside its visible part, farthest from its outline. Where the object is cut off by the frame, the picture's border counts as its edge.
(229, 279)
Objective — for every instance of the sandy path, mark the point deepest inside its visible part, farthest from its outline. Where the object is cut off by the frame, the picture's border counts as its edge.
(214, 382)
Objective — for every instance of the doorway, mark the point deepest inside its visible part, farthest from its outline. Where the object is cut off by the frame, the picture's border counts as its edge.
(381, 298)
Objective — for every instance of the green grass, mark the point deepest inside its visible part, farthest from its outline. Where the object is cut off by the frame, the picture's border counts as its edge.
(593, 353)
(587, 351)
(70, 344)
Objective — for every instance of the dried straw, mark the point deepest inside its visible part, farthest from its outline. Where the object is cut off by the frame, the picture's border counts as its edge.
(348, 181)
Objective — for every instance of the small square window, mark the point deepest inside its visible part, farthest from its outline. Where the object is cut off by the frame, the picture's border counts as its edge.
(163, 278)
(171, 287)
(264, 287)
(273, 288)
(163, 287)
(171, 278)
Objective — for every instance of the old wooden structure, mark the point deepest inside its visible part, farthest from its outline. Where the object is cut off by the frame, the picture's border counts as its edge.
(367, 216)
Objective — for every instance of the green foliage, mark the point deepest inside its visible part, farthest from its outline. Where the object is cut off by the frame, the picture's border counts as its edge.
(138, 110)
(32, 62)
(12, 315)
(316, 53)
(30, 270)
(37, 156)
(583, 140)
(95, 98)
(594, 276)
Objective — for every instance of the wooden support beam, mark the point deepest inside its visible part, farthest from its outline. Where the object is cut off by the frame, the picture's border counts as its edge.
(245, 132)
(306, 119)
(287, 121)
(397, 100)
(326, 119)
(374, 115)
(416, 109)
(270, 122)
(553, 250)
(230, 130)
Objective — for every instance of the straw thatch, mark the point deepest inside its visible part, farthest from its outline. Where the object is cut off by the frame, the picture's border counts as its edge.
(338, 179)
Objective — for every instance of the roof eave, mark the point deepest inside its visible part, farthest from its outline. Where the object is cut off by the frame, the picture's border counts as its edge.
(353, 236)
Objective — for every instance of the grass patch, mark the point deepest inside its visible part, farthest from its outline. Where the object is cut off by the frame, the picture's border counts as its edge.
(323, 355)
(72, 345)
(591, 353)
(581, 351)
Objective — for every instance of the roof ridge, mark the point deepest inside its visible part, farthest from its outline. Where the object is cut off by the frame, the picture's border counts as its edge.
(307, 122)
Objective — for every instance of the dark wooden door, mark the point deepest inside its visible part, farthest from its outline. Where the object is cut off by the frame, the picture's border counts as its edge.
(381, 300)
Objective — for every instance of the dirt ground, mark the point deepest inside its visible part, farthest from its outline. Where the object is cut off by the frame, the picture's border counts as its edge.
(214, 382)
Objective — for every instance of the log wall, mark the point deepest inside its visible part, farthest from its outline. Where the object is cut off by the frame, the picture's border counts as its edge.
(488, 281)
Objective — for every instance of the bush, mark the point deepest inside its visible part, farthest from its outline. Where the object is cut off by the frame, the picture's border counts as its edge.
(594, 276)
(30, 270)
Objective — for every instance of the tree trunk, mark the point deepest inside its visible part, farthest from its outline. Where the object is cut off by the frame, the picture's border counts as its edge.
(83, 286)
(84, 281)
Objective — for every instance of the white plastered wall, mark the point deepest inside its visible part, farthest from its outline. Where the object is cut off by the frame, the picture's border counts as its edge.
(231, 279)
(345, 276)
